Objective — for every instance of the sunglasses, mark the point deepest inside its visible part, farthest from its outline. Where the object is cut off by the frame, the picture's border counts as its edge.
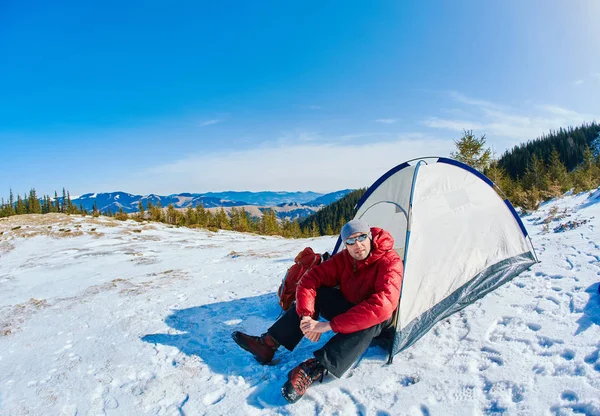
(353, 240)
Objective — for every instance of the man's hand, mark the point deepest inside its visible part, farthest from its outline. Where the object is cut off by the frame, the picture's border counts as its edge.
(313, 329)
(313, 336)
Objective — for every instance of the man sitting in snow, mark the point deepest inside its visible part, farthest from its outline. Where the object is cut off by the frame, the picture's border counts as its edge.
(369, 274)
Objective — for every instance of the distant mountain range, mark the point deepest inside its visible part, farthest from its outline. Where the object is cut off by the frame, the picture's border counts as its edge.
(288, 205)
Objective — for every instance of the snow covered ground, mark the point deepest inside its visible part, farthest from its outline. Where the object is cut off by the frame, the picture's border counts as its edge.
(121, 318)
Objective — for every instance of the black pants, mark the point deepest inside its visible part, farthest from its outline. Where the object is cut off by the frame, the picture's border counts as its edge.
(342, 350)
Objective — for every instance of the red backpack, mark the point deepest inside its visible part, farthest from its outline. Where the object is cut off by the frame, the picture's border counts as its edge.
(304, 261)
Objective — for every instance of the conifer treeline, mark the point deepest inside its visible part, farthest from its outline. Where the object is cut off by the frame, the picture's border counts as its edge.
(329, 220)
(547, 167)
(32, 204)
(237, 220)
(570, 143)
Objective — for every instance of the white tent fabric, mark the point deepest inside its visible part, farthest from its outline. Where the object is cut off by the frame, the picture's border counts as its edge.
(459, 239)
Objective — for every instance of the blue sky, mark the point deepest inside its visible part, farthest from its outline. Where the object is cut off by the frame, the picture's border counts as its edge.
(167, 97)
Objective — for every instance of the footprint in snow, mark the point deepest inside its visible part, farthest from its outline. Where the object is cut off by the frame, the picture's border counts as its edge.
(569, 396)
(213, 397)
(361, 409)
(593, 359)
(497, 393)
(568, 354)
(490, 356)
(505, 320)
(546, 342)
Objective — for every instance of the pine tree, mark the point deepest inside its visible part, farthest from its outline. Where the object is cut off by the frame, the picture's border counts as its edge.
(498, 175)
(157, 213)
(33, 203)
(70, 208)
(150, 207)
(295, 231)
(234, 218)
(64, 201)
(470, 150)
(532, 200)
(20, 208)
(141, 212)
(190, 217)
(179, 218)
(244, 225)
(536, 175)
(171, 215)
(559, 179)
(284, 228)
(44, 205)
(584, 177)
(11, 204)
(239, 220)
(210, 220)
(5, 210)
(314, 230)
(56, 207)
(222, 220)
(26, 203)
(269, 224)
(201, 216)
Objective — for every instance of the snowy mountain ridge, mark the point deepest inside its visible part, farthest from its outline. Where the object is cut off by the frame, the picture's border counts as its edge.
(114, 201)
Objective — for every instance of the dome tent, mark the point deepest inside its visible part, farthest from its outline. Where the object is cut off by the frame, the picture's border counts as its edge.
(458, 239)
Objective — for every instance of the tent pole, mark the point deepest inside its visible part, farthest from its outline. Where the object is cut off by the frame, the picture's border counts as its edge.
(396, 314)
(405, 259)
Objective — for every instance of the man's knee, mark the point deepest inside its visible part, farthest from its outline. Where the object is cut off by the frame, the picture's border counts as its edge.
(330, 302)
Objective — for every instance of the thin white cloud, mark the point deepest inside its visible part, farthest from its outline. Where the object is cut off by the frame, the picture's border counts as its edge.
(210, 122)
(386, 120)
(577, 82)
(376, 136)
(461, 98)
(321, 167)
(454, 125)
(504, 125)
(596, 75)
(562, 112)
(297, 136)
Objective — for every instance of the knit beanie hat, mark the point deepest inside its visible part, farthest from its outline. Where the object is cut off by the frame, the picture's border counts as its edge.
(354, 226)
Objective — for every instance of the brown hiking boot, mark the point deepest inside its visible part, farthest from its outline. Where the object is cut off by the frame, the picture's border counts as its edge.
(263, 348)
(300, 379)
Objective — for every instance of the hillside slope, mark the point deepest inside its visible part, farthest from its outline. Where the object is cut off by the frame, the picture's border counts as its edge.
(105, 317)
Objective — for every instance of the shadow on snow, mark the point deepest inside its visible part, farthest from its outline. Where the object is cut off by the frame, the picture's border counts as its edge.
(591, 311)
(205, 331)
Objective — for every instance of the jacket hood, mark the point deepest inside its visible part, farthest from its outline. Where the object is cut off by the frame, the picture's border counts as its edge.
(381, 243)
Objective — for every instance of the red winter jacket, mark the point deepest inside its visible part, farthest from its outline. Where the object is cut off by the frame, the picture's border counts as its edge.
(372, 285)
